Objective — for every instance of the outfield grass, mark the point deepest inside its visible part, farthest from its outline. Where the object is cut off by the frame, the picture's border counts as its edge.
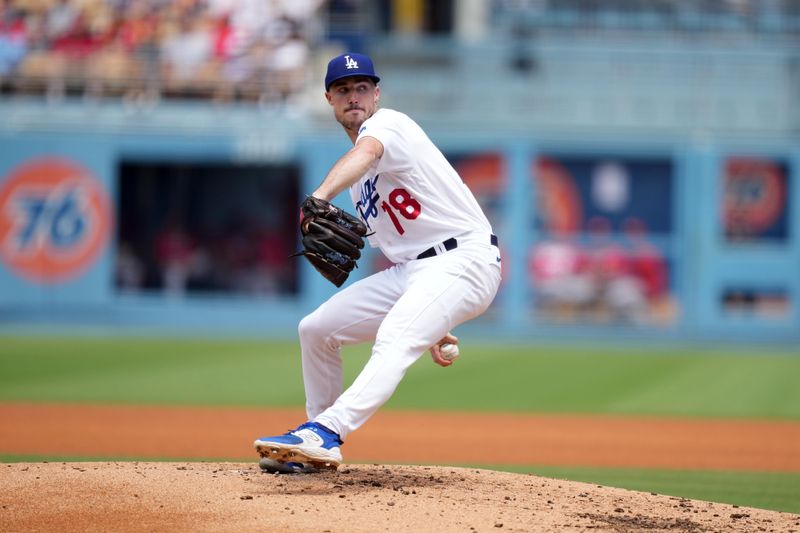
(679, 382)
(779, 491)
(557, 380)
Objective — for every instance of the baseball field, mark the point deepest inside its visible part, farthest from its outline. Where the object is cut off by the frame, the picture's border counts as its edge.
(678, 426)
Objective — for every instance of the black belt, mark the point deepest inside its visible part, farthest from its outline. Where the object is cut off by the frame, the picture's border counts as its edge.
(449, 244)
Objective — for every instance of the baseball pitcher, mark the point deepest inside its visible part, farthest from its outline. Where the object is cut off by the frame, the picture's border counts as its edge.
(411, 204)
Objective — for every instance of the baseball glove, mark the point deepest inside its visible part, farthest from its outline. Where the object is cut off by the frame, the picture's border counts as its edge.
(332, 239)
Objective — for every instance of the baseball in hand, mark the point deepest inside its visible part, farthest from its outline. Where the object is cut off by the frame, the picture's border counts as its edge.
(448, 351)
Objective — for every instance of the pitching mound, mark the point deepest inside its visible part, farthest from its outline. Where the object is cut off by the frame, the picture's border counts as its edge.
(223, 497)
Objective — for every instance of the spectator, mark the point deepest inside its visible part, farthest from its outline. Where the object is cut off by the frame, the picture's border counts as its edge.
(646, 263)
(60, 20)
(208, 48)
(80, 40)
(273, 270)
(13, 40)
(286, 72)
(130, 269)
(186, 55)
(112, 69)
(564, 286)
(139, 30)
(173, 248)
(620, 294)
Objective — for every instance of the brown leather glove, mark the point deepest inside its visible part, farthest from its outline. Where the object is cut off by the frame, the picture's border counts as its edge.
(332, 239)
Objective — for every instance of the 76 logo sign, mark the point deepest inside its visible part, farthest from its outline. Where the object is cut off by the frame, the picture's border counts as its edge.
(55, 219)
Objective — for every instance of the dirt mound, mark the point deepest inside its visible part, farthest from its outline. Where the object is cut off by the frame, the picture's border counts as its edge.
(237, 497)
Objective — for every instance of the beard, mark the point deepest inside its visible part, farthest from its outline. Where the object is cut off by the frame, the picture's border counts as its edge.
(353, 121)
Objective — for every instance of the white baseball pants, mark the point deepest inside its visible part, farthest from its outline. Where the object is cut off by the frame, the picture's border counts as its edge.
(405, 309)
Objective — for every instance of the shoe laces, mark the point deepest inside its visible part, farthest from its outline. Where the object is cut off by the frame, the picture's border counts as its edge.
(318, 426)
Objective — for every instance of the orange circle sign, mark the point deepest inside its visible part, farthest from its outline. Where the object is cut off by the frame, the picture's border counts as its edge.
(54, 220)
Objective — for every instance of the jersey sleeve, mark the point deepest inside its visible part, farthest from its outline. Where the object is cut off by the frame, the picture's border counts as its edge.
(387, 128)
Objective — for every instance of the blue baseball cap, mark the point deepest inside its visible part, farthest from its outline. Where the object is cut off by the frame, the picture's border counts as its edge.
(347, 65)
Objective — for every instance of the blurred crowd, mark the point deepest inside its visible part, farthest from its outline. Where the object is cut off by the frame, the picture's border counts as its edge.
(223, 49)
(260, 49)
(601, 278)
(246, 258)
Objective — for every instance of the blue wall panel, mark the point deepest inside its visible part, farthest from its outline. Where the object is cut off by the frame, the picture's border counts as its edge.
(702, 263)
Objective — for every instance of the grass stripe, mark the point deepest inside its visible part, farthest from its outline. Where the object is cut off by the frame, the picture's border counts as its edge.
(766, 490)
(674, 382)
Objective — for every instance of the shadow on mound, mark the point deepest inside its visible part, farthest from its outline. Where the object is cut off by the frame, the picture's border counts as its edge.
(357, 480)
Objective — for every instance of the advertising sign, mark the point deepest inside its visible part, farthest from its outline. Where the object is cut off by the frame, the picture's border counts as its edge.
(55, 218)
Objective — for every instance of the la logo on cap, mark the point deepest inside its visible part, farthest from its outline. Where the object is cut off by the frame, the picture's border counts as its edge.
(350, 63)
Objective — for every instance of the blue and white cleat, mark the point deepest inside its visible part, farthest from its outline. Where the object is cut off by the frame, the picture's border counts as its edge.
(311, 444)
(271, 466)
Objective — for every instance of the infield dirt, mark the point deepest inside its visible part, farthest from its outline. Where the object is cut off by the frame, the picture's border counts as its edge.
(232, 497)
(228, 496)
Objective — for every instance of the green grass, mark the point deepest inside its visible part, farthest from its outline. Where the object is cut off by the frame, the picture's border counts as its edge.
(27, 458)
(647, 382)
(150, 371)
(779, 491)
(660, 382)
(528, 378)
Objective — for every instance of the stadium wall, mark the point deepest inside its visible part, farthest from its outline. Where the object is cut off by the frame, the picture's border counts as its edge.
(734, 279)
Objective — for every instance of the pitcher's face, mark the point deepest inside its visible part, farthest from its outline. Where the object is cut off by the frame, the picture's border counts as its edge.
(354, 100)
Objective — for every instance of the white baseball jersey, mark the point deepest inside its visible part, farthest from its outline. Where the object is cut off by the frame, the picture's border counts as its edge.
(412, 198)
